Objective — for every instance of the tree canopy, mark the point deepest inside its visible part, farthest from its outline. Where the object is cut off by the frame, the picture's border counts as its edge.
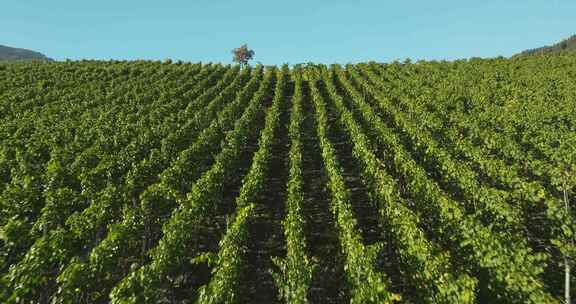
(242, 54)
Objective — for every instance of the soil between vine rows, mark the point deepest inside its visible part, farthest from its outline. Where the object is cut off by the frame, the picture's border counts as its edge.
(365, 210)
(329, 280)
(266, 238)
(208, 239)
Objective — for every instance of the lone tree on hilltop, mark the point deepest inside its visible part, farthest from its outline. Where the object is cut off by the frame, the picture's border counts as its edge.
(242, 55)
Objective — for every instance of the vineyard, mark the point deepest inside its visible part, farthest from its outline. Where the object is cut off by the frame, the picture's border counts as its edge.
(160, 182)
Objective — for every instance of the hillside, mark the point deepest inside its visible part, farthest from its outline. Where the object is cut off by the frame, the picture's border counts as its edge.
(10, 53)
(564, 45)
(150, 182)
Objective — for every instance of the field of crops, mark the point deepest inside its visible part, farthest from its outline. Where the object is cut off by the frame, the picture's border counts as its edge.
(158, 182)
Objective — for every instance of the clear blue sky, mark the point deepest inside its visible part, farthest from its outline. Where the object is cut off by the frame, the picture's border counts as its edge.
(284, 31)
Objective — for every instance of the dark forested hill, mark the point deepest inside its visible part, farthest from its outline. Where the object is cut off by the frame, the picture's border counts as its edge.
(10, 53)
(564, 45)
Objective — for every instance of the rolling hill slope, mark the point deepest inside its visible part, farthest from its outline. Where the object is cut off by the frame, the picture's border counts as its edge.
(148, 182)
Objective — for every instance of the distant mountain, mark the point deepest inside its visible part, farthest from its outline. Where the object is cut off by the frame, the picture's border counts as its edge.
(10, 53)
(564, 45)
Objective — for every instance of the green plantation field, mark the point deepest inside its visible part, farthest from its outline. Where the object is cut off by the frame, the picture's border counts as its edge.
(150, 182)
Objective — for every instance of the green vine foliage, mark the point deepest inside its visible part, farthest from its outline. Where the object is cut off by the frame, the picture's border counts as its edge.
(141, 181)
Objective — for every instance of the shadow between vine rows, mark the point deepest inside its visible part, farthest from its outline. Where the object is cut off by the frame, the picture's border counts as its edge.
(266, 236)
(185, 286)
(329, 281)
(372, 229)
